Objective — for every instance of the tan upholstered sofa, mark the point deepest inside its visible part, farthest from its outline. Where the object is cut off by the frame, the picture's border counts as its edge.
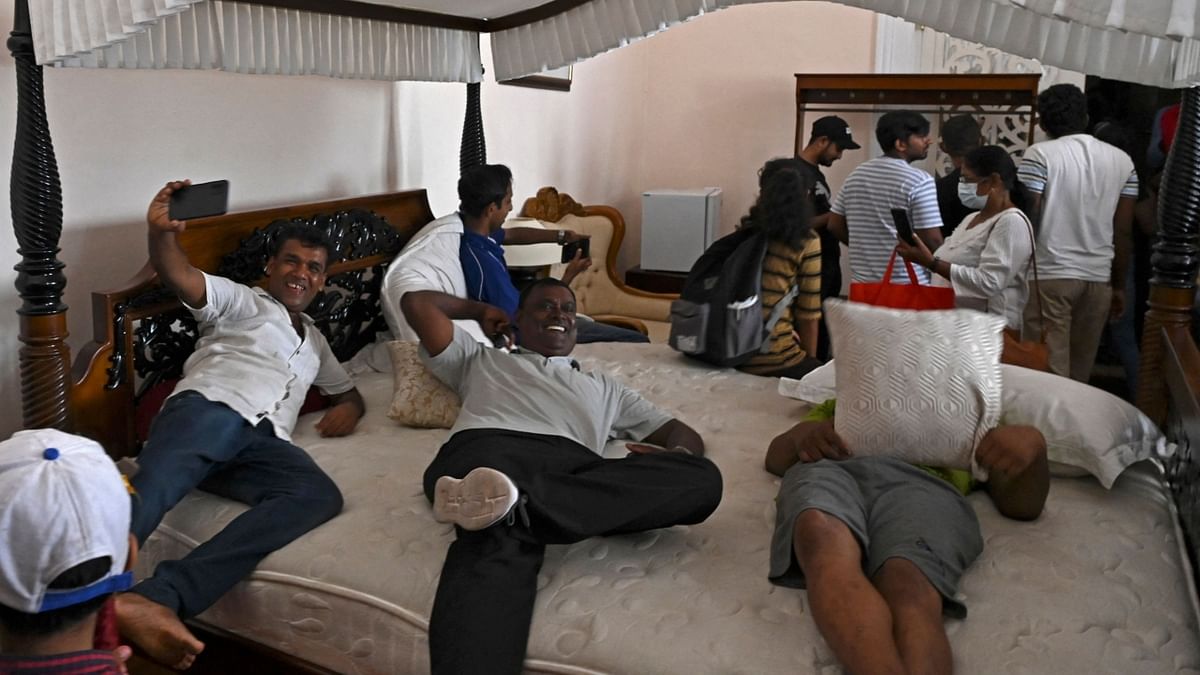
(599, 291)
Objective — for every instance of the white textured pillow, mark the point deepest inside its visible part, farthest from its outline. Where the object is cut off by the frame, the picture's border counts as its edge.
(923, 387)
(1085, 427)
(419, 399)
(1087, 430)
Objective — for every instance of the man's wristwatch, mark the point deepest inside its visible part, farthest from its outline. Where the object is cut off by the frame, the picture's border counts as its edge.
(933, 264)
(562, 237)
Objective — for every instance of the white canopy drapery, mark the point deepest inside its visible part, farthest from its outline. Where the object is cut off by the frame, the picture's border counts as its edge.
(1150, 41)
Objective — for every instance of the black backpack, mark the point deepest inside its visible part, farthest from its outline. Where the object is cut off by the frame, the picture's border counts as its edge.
(718, 316)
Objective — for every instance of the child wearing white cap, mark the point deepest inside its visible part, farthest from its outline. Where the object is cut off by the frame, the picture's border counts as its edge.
(65, 548)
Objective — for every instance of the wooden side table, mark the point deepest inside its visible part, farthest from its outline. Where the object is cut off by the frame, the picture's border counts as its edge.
(655, 282)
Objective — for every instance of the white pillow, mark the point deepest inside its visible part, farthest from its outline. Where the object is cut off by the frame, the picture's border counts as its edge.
(1087, 430)
(922, 387)
(1085, 427)
(428, 262)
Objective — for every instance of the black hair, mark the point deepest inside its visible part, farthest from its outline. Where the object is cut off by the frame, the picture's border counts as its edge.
(993, 159)
(1062, 110)
(774, 166)
(307, 235)
(783, 210)
(898, 125)
(539, 283)
(481, 185)
(961, 134)
(56, 620)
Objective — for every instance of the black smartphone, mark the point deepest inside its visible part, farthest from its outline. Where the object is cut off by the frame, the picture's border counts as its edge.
(568, 250)
(903, 228)
(199, 200)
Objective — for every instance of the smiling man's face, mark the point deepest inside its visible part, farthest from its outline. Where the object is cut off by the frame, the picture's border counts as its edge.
(547, 321)
(295, 274)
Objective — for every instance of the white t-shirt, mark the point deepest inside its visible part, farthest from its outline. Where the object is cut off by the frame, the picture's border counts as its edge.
(989, 264)
(250, 358)
(866, 201)
(528, 392)
(1080, 179)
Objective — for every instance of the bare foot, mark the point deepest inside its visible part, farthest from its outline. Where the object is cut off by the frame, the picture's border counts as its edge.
(157, 630)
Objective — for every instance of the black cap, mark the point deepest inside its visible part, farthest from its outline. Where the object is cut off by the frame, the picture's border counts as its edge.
(835, 129)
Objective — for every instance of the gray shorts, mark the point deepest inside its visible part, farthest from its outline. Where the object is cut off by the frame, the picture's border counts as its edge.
(893, 509)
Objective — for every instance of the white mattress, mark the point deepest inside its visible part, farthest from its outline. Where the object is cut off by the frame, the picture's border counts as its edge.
(1096, 585)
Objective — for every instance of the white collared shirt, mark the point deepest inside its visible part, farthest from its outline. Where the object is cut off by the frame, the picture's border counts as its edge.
(250, 357)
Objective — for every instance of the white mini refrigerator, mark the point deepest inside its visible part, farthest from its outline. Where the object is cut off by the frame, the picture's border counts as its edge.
(677, 226)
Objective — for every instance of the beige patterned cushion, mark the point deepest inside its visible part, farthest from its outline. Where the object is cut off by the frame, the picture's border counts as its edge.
(419, 398)
(923, 387)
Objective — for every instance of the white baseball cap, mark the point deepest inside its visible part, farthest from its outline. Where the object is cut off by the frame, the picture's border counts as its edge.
(64, 503)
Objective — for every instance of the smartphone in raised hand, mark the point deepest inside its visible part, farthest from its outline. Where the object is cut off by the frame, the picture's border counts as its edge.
(199, 200)
(903, 227)
(568, 250)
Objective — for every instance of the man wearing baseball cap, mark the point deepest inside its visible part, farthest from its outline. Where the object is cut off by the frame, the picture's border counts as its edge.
(830, 137)
(65, 548)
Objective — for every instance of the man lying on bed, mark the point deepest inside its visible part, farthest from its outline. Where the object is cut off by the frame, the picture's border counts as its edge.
(227, 427)
(881, 544)
(522, 468)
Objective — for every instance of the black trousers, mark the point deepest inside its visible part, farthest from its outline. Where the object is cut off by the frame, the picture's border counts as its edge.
(484, 602)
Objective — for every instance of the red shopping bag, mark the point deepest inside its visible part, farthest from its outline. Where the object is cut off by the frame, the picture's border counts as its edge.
(902, 296)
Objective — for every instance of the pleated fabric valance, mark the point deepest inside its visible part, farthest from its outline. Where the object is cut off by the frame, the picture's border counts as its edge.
(1147, 41)
(247, 38)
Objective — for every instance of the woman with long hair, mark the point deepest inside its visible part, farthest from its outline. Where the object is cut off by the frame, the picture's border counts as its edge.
(987, 258)
(793, 260)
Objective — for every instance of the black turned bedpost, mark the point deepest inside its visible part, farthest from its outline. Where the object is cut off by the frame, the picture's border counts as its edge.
(472, 150)
(1176, 257)
(36, 197)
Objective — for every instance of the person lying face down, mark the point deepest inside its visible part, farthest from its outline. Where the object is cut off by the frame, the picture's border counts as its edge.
(881, 544)
(523, 467)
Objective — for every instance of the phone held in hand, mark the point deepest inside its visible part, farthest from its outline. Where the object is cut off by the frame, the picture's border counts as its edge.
(568, 250)
(903, 228)
(199, 200)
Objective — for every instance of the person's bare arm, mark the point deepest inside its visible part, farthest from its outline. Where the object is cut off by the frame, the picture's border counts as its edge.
(673, 434)
(345, 409)
(1035, 209)
(519, 236)
(806, 333)
(431, 315)
(166, 256)
(577, 266)
(931, 237)
(1122, 251)
(1018, 470)
(805, 442)
(820, 222)
(837, 227)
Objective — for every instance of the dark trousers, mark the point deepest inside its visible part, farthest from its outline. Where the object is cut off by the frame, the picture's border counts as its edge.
(195, 442)
(484, 601)
(588, 330)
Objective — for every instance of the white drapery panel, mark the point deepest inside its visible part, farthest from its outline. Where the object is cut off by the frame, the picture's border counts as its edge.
(588, 30)
(1147, 41)
(246, 38)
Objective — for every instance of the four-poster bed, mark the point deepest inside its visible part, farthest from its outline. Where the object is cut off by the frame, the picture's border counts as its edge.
(670, 601)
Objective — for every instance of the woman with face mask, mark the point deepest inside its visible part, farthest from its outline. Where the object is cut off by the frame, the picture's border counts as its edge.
(987, 258)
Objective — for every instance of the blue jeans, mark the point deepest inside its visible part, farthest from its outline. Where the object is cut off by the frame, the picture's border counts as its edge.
(588, 330)
(195, 442)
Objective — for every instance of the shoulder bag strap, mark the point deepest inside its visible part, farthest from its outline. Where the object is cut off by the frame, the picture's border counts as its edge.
(1037, 287)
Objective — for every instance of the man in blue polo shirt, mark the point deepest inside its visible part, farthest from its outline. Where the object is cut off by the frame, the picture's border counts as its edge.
(485, 200)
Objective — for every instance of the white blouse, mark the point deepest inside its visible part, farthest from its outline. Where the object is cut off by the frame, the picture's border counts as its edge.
(989, 263)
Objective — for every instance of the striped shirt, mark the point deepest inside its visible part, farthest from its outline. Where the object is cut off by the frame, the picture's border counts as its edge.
(784, 266)
(1080, 178)
(89, 662)
(866, 201)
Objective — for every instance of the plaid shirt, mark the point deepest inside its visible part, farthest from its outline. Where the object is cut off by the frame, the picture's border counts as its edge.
(75, 663)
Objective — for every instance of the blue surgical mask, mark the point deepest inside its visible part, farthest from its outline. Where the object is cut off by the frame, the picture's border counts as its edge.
(967, 194)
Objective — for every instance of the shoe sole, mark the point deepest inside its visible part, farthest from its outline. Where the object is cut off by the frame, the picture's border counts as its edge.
(480, 499)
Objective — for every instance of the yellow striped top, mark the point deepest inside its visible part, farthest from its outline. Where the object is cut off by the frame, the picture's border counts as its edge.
(783, 266)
